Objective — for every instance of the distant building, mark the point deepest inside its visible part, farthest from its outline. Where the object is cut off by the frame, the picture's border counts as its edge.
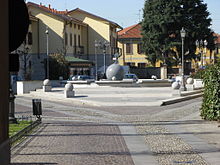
(72, 33)
(130, 43)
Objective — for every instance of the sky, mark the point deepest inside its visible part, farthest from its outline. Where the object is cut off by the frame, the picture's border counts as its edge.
(123, 12)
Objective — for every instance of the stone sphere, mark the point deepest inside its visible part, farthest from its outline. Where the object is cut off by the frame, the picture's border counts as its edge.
(190, 81)
(115, 70)
(114, 78)
(47, 82)
(175, 85)
(69, 87)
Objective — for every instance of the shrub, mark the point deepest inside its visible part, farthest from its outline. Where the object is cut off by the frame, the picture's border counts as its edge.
(198, 74)
(210, 109)
(58, 67)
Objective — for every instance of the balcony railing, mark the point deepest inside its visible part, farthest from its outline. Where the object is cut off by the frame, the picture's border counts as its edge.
(78, 50)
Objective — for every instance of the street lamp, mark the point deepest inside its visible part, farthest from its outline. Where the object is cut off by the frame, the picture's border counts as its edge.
(202, 46)
(183, 35)
(47, 34)
(97, 45)
(103, 46)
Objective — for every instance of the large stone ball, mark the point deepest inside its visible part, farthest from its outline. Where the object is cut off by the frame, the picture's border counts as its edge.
(69, 87)
(190, 80)
(116, 71)
(47, 82)
(175, 85)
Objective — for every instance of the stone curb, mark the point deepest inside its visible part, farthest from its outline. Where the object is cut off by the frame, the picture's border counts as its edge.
(24, 131)
(180, 99)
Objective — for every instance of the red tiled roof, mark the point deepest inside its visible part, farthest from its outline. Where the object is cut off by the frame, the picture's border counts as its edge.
(217, 39)
(61, 14)
(133, 31)
(103, 19)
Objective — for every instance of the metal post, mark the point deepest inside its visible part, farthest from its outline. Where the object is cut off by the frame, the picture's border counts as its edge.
(201, 46)
(47, 33)
(96, 61)
(104, 52)
(183, 33)
(4, 94)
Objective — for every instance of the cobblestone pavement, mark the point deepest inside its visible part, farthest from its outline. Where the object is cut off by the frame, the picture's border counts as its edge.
(78, 135)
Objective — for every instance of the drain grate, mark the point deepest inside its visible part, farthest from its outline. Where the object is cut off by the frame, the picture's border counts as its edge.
(183, 162)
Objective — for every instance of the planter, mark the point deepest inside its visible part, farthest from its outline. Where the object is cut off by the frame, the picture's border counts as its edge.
(27, 86)
(198, 83)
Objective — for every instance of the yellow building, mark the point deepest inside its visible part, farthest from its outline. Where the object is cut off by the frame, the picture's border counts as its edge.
(72, 33)
(129, 41)
(100, 30)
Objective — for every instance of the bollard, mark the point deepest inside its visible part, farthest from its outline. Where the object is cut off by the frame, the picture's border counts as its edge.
(37, 109)
(12, 118)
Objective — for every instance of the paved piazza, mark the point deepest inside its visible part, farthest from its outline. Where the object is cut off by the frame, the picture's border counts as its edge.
(77, 133)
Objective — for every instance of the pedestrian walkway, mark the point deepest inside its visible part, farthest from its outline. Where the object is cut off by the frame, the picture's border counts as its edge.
(109, 96)
(109, 135)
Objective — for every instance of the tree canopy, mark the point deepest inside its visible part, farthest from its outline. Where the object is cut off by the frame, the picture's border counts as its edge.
(161, 25)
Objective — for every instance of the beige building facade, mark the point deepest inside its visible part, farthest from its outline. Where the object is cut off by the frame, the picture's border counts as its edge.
(72, 33)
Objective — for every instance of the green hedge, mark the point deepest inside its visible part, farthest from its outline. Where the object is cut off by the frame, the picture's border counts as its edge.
(210, 109)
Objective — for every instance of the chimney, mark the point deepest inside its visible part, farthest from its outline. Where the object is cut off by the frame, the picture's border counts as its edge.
(49, 6)
(40, 4)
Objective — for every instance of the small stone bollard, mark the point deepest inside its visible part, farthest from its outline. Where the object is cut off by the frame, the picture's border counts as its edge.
(47, 86)
(190, 84)
(175, 87)
(68, 92)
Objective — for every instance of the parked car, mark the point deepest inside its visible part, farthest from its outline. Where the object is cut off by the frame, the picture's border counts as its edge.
(81, 77)
(130, 76)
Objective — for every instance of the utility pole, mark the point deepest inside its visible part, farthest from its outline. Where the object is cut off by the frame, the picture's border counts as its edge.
(4, 94)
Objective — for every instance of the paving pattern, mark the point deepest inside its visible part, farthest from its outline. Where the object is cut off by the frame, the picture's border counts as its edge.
(84, 135)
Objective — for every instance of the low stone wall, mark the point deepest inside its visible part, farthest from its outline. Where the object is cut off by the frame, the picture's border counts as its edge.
(139, 83)
(198, 83)
(123, 83)
(153, 83)
(27, 86)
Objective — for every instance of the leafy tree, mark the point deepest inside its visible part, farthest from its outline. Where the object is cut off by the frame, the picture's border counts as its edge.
(210, 109)
(58, 66)
(161, 25)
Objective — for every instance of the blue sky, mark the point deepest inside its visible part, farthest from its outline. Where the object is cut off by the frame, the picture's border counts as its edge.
(123, 12)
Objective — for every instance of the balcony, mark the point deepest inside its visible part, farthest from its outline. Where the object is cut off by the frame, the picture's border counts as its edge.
(78, 50)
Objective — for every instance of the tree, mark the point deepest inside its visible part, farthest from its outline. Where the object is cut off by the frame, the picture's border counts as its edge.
(161, 25)
(58, 66)
(25, 63)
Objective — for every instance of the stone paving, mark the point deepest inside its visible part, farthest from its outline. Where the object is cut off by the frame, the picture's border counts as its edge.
(73, 134)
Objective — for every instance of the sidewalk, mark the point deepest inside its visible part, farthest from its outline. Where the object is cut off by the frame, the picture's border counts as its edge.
(117, 135)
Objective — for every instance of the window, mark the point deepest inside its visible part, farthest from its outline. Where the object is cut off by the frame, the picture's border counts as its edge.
(74, 39)
(79, 27)
(66, 39)
(71, 24)
(29, 38)
(79, 40)
(141, 65)
(140, 48)
(29, 66)
(129, 49)
(74, 26)
(130, 64)
(71, 39)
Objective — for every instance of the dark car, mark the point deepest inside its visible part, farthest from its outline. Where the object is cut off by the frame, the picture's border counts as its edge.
(131, 77)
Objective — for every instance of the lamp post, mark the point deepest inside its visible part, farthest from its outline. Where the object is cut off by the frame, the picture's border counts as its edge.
(202, 49)
(183, 35)
(47, 34)
(104, 47)
(97, 44)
